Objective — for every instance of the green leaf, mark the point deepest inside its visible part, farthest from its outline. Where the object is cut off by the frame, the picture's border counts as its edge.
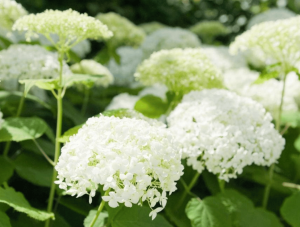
(4, 220)
(45, 84)
(22, 128)
(270, 72)
(151, 106)
(34, 168)
(291, 118)
(4, 43)
(72, 113)
(100, 220)
(24, 221)
(290, 209)
(88, 80)
(19, 203)
(209, 212)
(72, 131)
(103, 56)
(263, 218)
(135, 216)
(297, 143)
(78, 205)
(6, 169)
(47, 146)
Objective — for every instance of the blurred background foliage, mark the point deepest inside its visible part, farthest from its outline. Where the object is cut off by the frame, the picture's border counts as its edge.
(234, 14)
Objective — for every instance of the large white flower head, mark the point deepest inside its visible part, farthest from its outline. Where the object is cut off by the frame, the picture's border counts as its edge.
(91, 67)
(209, 30)
(29, 62)
(181, 70)
(268, 93)
(70, 26)
(135, 160)
(10, 11)
(223, 132)
(123, 72)
(169, 38)
(270, 15)
(125, 32)
(220, 57)
(274, 41)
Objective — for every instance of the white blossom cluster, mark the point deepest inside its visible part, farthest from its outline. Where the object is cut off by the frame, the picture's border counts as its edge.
(127, 101)
(123, 73)
(169, 38)
(125, 32)
(133, 159)
(70, 26)
(270, 15)
(181, 70)
(221, 58)
(91, 67)
(273, 41)
(268, 93)
(223, 132)
(10, 11)
(151, 27)
(29, 62)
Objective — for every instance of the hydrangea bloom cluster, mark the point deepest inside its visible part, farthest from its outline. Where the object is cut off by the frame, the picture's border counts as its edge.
(268, 93)
(130, 58)
(135, 160)
(209, 30)
(91, 67)
(223, 132)
(270, 15)
(70, 26)
(275, 41)
(29, 62)
(151, 27)
(169, 38)
(125, 32)
(220, 57)
(181, 70)
(10, 11)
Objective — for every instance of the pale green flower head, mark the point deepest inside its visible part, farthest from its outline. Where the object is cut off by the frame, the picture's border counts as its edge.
(181, 70)
(209, 30)
(70, 26)
(10, 11)
(273, 41)
(125, 32)
(151, 27)
(91, 67)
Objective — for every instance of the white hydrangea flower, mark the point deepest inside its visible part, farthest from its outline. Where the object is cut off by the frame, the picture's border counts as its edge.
(273, 41)
(135, 160)
(220, 57)
(70, 26)
(91, 67)
(268, 93)
(169, 38)
(223, 132)
(29, 62)
(273, 14)
(10, 11)
(123, 101)
(125, 32)
(1, 119)
(151, 27)
(130, 58)
(181, 70)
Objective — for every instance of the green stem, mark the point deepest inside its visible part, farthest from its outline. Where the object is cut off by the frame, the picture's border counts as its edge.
(100, 208)
(85, 100)
(19, 111)
(58, 134)
(188, 189)
(221, 185)
(271, 170)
